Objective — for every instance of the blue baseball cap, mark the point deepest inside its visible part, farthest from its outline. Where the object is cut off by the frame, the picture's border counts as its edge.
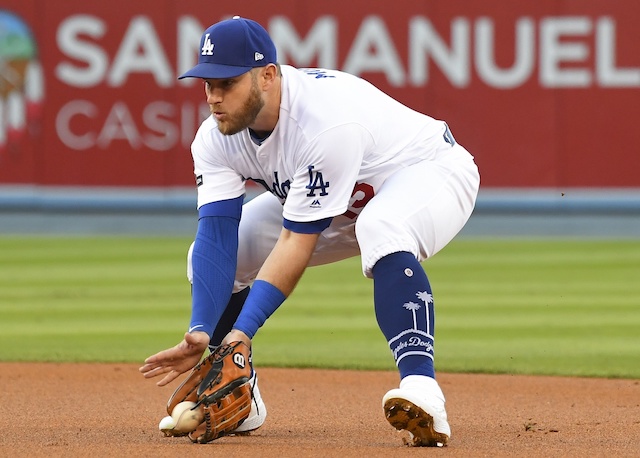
(232, 47)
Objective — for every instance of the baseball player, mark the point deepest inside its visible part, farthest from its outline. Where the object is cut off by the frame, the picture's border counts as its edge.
(350, 171)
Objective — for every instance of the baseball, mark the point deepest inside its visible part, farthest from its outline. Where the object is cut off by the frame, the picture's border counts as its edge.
(167, 424)
(186, 420)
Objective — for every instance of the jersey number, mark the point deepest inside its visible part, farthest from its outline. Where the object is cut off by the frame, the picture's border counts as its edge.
(365, 194)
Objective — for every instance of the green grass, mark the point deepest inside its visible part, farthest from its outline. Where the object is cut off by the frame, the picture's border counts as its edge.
(85, 299)
(558, 307)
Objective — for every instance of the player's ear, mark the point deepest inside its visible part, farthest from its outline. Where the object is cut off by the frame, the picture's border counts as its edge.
(269, 74)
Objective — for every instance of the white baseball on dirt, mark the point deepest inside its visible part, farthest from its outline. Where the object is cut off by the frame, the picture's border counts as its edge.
(186, 419)
(167, 423)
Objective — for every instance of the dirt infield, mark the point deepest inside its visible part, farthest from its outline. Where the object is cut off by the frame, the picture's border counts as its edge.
(100, 410)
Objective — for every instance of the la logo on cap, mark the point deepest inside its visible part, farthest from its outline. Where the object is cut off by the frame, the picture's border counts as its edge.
(207, 46)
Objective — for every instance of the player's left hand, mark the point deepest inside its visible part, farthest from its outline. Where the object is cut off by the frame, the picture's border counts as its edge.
(176, 360)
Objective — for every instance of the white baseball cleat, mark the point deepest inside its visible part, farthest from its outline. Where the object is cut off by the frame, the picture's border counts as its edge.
(258, 413)
(418, 407)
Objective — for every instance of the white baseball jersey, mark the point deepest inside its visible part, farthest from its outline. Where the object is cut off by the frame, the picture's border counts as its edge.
(337, 140)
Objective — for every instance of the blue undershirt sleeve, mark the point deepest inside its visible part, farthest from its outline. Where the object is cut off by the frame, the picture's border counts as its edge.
(214, 262)
(311, 227)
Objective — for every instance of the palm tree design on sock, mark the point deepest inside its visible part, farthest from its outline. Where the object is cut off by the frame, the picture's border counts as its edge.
(424, 296)
(413, 307)
(427, 298)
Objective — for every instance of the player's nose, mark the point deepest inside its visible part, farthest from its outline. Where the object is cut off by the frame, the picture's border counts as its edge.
(214, 96)
(213, 92)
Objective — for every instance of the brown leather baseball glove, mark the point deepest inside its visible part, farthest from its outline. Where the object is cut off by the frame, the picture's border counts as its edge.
(219, 385)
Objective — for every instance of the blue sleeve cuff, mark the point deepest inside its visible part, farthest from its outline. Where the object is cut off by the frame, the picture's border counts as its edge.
(262, 302)
(231, 208)
(311, 227)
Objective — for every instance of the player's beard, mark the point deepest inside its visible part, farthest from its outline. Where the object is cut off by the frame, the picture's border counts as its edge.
(247, 114)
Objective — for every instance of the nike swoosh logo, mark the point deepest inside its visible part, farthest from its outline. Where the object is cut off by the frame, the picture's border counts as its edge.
(195, 327)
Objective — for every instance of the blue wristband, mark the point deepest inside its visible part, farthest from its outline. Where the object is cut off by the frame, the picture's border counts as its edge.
(262, 301)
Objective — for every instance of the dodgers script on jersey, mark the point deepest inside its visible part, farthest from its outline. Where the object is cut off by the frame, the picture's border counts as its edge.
(330, 152)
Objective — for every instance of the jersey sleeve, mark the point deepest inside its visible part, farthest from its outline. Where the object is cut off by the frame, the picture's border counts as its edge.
(326, 173)
(215, 178)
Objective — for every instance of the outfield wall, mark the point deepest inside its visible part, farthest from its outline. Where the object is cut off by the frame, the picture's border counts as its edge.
(545, 93)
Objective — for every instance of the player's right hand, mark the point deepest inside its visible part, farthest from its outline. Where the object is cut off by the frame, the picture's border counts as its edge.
(176, 360)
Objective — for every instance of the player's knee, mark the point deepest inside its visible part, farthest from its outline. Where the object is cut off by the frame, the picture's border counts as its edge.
(378, 236)
(370, 226)
(374, 233)
(363, 225)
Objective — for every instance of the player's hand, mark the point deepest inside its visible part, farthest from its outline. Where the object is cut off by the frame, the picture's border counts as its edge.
(176, 360)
